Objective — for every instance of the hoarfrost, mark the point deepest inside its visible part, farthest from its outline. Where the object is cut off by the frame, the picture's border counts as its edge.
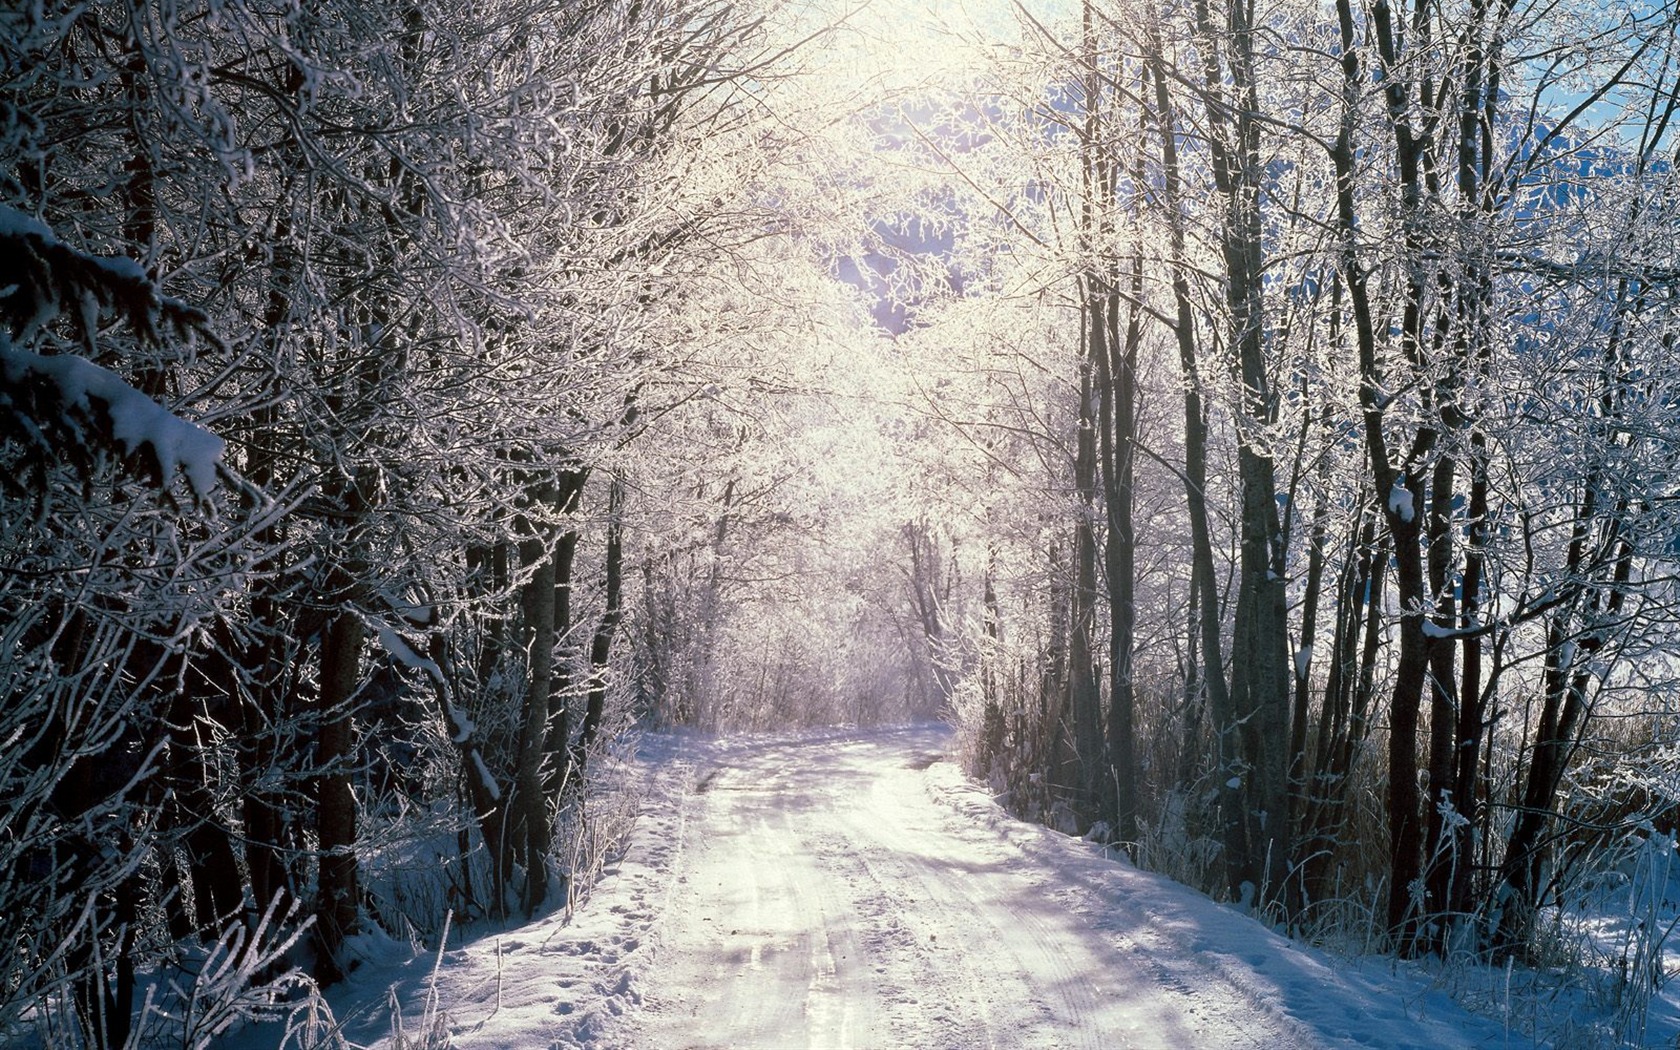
(460, 725)
(485, 778)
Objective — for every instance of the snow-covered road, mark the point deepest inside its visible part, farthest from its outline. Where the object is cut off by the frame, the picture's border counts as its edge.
(826, 898)
(854, 891)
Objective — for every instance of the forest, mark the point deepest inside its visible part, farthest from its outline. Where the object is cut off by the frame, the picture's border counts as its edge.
(1254, 427)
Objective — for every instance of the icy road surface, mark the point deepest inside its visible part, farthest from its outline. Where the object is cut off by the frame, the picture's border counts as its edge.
(853, 889)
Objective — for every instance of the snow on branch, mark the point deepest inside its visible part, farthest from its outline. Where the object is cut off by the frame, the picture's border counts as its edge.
(41, 278)
(87, 393)
(1431, 629)
(50, 401)
(1400, 503)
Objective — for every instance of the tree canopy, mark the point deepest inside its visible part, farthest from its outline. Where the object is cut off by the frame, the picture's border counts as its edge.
(1253, 427)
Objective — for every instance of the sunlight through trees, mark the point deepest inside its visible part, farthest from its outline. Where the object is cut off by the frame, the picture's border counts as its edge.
(1254, 428)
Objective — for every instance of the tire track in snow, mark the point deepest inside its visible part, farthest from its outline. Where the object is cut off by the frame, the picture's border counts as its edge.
(851, 890)
(758, 949)
(829, 899)
(981, 941)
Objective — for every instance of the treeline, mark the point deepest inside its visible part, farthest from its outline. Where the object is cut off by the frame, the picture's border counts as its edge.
(1276, 473)
(1320, 362)
(340, 650)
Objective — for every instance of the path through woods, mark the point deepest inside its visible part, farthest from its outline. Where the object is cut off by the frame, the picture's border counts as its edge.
(852, 889)
(830, 895)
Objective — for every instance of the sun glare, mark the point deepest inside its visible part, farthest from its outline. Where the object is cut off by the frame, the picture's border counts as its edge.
(907, 44)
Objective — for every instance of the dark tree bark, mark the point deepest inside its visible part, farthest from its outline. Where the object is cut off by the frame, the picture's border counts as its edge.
(1400, 489)
(337, 894)
(557, 748)
(1349, 689)
(1300, 793)
(1115, 357)
(1118, 406)
(1080, 776)
(528, 815)
(1260, 673)
(1599, 569)
(208, 684)
(600, 646)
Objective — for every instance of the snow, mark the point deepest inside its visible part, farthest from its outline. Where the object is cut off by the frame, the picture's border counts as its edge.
(484, 776)
(120, 267)
(1303, 661)
(95, 283)
(1566, 654)
(461, 727)
(1400, 503)
(854, 889)
(404, 654)
(136, 419)
(1431, 629)
(14, 223)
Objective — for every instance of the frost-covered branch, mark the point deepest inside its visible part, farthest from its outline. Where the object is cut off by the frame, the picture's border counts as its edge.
(41, 278)
(65, 404)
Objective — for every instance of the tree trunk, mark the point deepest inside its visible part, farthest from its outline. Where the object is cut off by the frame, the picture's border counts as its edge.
(1115, 358)
(337, 893)
(600, 647)
(1401, 493)
(212, 867)
(1118, 376)
(1443, 809)
(1300, 792)
(528, 806)
(1358, 591)
(1260, 674)
(1575, 636)
(1468, 784)
(484, 795)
